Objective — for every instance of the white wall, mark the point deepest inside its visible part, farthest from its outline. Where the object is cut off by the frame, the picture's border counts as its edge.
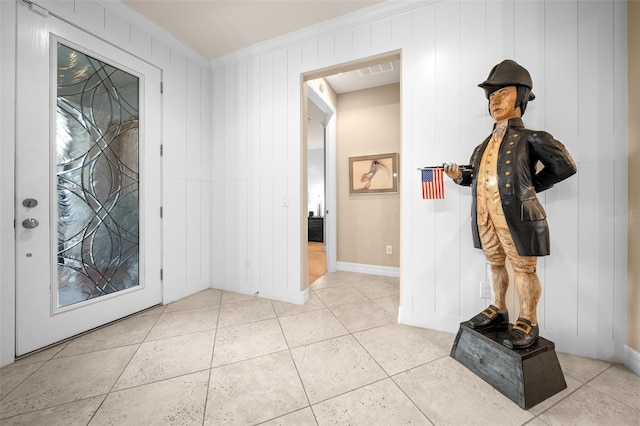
(186, 139)
(576, 53)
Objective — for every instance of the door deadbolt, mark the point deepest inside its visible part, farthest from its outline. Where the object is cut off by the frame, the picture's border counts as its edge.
(30, 202)
(30, 223)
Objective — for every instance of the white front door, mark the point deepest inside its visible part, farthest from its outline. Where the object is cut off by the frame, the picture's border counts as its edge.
(88, 182)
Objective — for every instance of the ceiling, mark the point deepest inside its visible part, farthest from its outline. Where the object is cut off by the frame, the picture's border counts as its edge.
(216, 27)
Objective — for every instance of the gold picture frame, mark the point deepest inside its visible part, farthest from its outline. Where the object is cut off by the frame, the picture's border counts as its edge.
(373, 174)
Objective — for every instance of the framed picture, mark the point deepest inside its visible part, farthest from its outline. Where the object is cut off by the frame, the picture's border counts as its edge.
(373, 174)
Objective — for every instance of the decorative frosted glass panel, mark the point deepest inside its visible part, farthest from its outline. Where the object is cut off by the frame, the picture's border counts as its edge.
(97, 178)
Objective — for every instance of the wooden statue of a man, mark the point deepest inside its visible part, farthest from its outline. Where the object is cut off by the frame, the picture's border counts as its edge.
(507, 170)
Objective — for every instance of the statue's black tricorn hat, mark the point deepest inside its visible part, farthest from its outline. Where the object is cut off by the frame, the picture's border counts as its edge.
(507, 73)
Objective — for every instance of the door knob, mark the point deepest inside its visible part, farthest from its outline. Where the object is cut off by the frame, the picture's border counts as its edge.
(30, 202)
(30, 223)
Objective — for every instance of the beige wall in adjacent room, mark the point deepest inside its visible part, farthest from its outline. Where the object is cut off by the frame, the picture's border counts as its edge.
(633, 281)
(368, 123)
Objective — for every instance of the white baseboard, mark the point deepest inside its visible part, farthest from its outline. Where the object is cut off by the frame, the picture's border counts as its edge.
(386, 271)
(632, 359)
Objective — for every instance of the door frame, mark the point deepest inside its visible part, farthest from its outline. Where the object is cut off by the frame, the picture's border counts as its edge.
(330, 202)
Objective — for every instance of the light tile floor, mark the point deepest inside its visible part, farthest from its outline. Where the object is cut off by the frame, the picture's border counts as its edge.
(219, 358)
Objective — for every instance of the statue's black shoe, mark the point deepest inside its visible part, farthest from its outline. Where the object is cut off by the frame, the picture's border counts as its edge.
(522, 335)
(489, 318)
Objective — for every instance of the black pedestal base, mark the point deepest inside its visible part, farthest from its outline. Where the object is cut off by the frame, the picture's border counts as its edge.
(526, 376)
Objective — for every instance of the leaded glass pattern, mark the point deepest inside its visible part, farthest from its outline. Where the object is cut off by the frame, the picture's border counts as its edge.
(97, 143)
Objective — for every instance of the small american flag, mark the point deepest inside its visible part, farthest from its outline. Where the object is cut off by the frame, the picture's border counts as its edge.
(432, 183)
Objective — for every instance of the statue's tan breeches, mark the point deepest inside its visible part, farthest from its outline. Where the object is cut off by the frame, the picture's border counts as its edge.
(497, 245)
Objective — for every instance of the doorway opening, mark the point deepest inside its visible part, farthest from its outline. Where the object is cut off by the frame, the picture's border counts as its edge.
(321, 90)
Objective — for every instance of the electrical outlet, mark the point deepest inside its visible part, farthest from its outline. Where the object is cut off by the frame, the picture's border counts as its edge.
(485, 290)
(389, 249)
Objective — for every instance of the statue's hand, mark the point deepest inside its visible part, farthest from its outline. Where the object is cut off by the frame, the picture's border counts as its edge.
(452, 170)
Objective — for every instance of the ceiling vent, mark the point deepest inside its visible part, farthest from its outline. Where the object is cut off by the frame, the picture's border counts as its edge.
(376, 69)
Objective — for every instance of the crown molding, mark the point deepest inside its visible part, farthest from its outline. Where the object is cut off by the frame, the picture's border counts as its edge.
(343, 22)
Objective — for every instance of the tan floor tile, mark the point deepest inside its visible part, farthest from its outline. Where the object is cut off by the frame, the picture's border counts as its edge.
(581, 368)
(230, 297)
(397, 348)
(362, 315)
(441, 339)
(43, 355)
(536, 422)
(253, 391)
(176, 401)
(339, 295)
(162, 359)
(129, 331)
(246, 341)
(389, 304)
(244, 312)
(68, 379)
(335, 366)
(381, 403)
(311, 327)
(376, 287)
(178, 323)
(587, 406)
(13, 375)
(434, 387)
(155, 310)
(302, 417)
(283, 308)
(77, 413)
(209, 297)
(330, 279)
(621, 384)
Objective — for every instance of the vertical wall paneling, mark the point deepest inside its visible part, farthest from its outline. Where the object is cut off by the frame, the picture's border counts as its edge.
(217, 260)
(326, 47)
(418, 281)
(119, 27)
(193, 228)
(343, 43)
(281, 99)
(501, 27)
(241, 119)
(230, 116)
(193, 138)
(241, 240)
(530, 53)
(362, 38)
(447, 119)
(141, 40)
(267, 209)
(205, 235)
(381, 34)
(310, 52)
(595, 83)
(560, 102)
(92, 11)
(174, 230)
(161, 52)
(622, 177)
(474, 125)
